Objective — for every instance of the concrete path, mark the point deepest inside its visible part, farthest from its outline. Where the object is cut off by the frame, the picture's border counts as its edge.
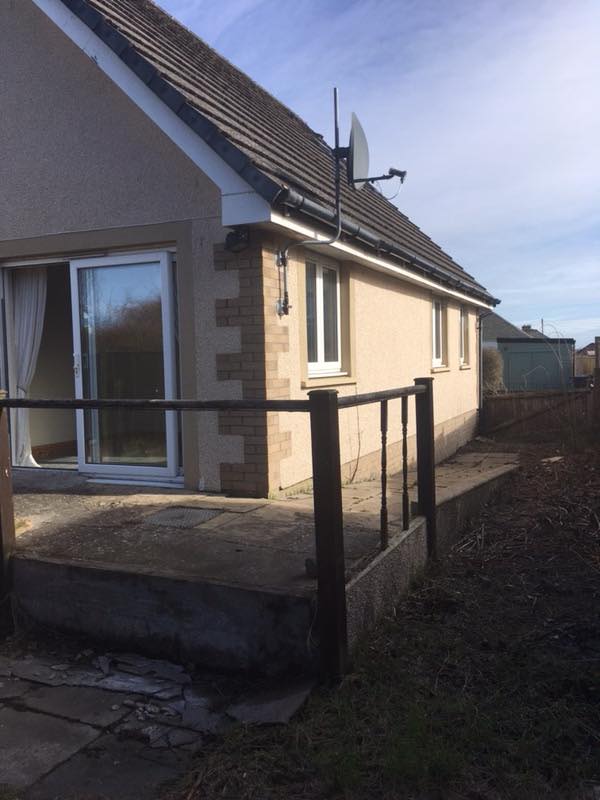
(115, 727)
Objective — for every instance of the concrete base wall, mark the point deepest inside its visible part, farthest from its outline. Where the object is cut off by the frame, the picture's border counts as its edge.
(454, 513)
(375, 591)
(226, 626)
(221, 627)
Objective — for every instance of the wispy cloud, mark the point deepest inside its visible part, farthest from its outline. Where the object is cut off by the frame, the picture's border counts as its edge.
(491, 105)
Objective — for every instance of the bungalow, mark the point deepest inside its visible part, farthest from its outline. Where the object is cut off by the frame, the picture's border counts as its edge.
(147, 185)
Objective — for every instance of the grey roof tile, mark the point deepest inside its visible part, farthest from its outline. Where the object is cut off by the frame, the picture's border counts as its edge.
(253, 131)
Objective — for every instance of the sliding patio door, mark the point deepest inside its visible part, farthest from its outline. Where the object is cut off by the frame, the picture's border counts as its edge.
(123, 334)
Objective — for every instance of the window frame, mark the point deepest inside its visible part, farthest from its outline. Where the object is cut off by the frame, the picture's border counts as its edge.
(438, 359)
(322, 368)
(463, 346)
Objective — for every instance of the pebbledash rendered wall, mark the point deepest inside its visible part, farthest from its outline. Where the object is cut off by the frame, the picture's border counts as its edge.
(388, 344)
(101, 176)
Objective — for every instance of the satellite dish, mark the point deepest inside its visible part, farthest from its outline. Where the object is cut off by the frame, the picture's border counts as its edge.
(358, 155)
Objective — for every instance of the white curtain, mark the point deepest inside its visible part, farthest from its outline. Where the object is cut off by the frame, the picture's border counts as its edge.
(29, 306)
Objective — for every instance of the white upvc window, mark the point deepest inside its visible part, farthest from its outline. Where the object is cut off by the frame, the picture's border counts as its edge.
(464, 336)
(438, 319)
(323, 326)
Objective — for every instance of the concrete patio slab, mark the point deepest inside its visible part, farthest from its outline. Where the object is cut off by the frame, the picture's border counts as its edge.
(231, 588)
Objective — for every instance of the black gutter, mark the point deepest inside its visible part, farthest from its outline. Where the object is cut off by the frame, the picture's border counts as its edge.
(293, 199)
(268, 189)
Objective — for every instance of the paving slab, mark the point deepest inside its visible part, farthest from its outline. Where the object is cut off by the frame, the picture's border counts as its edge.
(82, 704)
(32, 744)
(14, 687)
(272, 707)
(111, 769)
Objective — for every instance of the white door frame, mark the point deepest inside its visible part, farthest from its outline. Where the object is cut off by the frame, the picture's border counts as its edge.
(164, 259)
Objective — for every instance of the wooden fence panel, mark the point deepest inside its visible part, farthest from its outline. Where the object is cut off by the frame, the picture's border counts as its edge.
(523, 413)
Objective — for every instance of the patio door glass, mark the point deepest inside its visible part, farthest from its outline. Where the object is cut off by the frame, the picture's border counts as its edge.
(123, 341)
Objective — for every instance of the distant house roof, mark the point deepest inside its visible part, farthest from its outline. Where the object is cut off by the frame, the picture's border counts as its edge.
(532, 333)
(588, 350)
(495, 327)
(537, 339)
(275, 151)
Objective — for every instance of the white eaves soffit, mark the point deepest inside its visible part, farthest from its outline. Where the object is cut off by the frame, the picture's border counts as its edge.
(348, 252)
(240, 204)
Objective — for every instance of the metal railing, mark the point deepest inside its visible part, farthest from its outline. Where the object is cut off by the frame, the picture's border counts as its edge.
(323, 406)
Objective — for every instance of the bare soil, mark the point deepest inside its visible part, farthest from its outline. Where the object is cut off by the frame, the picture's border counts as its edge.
(485, 685)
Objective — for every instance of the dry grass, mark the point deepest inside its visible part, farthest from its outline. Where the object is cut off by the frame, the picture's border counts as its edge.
(485, 685)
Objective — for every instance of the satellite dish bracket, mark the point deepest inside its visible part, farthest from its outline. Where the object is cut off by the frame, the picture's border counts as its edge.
(341, 152)
(283, 303)
(356, 154)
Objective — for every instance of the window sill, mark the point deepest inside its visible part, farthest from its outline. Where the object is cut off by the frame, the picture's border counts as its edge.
(443, 368)
(465, 366)
(321, 381)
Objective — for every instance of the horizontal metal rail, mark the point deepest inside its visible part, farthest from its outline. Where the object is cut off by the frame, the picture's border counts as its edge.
(376, 397)
(293, 406)
(162, 405)
(323, 406)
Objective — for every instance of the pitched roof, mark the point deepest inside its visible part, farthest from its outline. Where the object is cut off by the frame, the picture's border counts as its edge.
(533, 333)
(271, 147)
(494, 327)
(588, 350)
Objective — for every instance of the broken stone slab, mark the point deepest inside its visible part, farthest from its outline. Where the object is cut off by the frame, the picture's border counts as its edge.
(174, 708)
(155, 734)
(171, 693)
(140, 665)
(552, 460)
(5, 668)
(180, 737)
(104, 663)
(203, 720)
(193, 697)
(132, 684)
(141, 729)
(33, 669)
(274, 707)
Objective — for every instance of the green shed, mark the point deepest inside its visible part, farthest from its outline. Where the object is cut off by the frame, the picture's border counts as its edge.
(532, 364)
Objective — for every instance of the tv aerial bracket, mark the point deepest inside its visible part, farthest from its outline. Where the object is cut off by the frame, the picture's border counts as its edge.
(356, 156)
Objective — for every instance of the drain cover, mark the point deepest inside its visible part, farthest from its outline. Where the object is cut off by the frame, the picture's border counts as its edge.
(181, 517)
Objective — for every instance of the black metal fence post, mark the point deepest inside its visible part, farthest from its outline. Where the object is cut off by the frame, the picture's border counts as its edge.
(329, 532)
(7, 526)
(405, 496)
(426, 461)
(383, 514)
(596, 389)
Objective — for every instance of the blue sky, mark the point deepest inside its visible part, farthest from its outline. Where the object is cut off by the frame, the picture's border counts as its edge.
(493, 107)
